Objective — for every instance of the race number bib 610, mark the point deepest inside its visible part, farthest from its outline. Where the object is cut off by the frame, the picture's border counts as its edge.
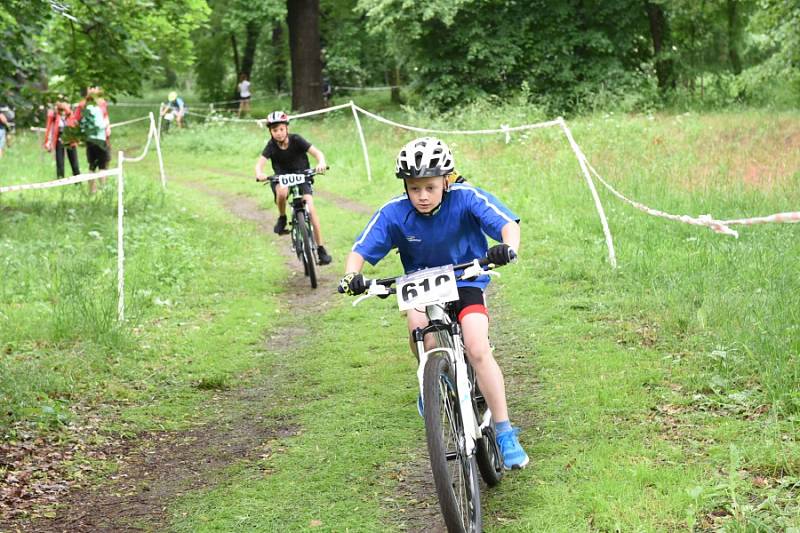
(429, 286)
(287, 180)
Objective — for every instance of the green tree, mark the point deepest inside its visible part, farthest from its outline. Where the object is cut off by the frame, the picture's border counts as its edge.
(567, 52)
(114, 44)
(228, 44)
(22, 23)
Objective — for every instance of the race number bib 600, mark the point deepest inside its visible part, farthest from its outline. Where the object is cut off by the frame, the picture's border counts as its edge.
(287, 180)
(429, 286)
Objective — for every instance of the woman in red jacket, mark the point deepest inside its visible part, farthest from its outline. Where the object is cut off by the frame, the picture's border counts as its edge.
(57, 119)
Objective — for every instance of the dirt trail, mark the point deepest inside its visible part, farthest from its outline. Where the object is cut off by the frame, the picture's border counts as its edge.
(155, 469)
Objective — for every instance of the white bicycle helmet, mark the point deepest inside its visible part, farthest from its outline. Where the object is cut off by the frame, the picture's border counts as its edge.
(277, 117)
(424, 158)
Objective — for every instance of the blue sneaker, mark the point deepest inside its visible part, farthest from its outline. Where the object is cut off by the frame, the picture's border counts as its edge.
(513, 454)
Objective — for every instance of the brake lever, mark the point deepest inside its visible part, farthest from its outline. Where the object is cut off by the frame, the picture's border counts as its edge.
(475, 270)
(375, 289)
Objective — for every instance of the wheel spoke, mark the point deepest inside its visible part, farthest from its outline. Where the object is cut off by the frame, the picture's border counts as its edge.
(455, 472)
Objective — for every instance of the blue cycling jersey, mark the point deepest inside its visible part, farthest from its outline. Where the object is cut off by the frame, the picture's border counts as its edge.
(456, 233)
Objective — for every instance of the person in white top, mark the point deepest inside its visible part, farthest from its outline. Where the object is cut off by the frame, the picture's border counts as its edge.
(244, 94)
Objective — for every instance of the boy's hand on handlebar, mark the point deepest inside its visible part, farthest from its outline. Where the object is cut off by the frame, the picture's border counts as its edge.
(321, 168)
(501, 254)
(261, 177)
(353, 284)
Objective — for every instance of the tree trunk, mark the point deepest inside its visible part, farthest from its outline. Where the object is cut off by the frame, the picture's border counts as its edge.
(305, 49)
(733, 38)
(659, 32)
(396, 98)
(253, 30)
(235, 55)
(278, 58)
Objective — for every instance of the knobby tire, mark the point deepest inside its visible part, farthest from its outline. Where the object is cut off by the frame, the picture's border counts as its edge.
(309, 263)
(456, 479)
(487, 452)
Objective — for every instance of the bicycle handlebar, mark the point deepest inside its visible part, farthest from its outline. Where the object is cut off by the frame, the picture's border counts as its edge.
(309, 172)
(387, 282)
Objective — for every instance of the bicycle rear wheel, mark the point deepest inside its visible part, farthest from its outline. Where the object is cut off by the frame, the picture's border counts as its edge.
(455, 473)
(309, 262)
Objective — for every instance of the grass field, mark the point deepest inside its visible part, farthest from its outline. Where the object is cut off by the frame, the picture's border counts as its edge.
(658, 396)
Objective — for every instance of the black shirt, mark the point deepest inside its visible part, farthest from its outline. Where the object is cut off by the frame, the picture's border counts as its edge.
(293, 159)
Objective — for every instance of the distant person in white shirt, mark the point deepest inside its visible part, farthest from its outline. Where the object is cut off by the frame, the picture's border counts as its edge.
(244, 94)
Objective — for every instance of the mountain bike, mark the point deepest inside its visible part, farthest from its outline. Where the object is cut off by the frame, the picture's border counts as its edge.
(459, 429)
(302, 231)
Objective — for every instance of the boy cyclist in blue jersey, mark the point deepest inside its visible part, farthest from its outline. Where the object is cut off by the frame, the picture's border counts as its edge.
(434, 224)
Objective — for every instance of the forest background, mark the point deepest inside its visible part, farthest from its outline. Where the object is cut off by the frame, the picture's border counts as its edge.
(562, 57)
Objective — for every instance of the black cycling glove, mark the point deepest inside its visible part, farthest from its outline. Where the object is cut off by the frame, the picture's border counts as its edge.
(501, 254)
(353, 284)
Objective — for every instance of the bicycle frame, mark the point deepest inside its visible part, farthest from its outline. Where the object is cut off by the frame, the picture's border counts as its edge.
(439, 319)
(299, 208)
(302, 230)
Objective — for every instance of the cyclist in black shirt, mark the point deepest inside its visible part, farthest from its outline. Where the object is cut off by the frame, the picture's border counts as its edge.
(288, 153)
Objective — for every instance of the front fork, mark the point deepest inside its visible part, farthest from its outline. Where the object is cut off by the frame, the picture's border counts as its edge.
(456, 357)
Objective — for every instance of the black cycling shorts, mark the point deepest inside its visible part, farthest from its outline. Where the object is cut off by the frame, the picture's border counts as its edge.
(470, 300)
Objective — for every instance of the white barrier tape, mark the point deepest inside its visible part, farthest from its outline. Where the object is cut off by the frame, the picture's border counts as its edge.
(702, 220)
(385, 87)
(612, 258)
(320, 111)
(158, 104)
(120, 237)
(134, 104)
(129, 121)
(780, 218)
(153, 133)
(34, 128)
(80, 178)
(363, 141)
(506, 131)
(150, 135)
(157, 136)
(219, 118)
(251, 99)
(260, 121)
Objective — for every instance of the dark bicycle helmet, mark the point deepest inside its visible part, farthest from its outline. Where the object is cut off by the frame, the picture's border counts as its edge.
(277, 117)
(424, 158)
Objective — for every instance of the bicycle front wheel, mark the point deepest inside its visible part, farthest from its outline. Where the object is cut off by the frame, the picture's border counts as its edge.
(455, 473)
(309, 263)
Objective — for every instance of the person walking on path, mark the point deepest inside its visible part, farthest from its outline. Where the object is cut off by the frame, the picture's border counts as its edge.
(244, 94)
